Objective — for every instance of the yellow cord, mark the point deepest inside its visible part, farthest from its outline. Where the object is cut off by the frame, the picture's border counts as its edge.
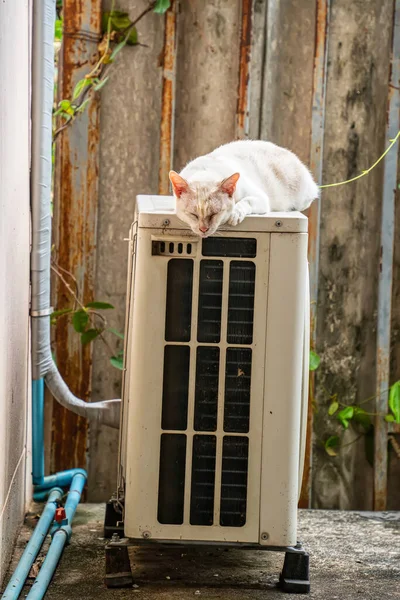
(392, 143)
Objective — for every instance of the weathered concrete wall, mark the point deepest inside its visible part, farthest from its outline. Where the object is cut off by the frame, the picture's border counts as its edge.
(357, 92)
(287, 76)
(207, 77)
(131, 112)
(14, 270)
(204, 99)
(129, 158)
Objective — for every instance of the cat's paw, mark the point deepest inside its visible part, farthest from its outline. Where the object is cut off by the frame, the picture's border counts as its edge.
(237, 216)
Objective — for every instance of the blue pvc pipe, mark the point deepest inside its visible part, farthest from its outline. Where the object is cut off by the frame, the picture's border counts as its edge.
(60, 479)
(42, 483)
(38, 431)
(42, 581)
(31, 551)
(61, 535)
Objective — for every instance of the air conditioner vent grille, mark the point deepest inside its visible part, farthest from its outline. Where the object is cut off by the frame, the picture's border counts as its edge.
(237, 390)
(171, 491)
(206, 391)
(230, 247)
(210, 301)
(208, 356)
(178, 315)
(203, 480)
(235, 455)
(241, 302)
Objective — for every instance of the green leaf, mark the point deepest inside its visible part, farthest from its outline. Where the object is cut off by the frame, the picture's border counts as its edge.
(101, 84)
(99, 305)
(65, 115)
(314, 360)
(63, 311)
(82, 106)
(162, 6)
(331, 445)
(80, 86)
(389, 418)
(119, 20)
(394, 401)
(333, 408)
(362, 418)
(345, 415)
(104, 21)
(117, 333)
(117, 49)
(58, 30)
(132, 37)
(64, 105)
(117, 361)
(79, 320)
(89, 336)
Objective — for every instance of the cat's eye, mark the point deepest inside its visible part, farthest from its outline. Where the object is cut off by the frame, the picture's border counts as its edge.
(193, 215)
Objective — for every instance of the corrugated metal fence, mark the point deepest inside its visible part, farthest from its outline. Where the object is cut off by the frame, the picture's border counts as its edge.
(317, 76)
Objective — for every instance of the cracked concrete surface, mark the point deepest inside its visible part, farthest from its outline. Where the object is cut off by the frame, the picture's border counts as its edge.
(352, 556)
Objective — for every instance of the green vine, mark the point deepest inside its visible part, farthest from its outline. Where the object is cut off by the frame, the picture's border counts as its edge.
(354, 415)
(118, 30)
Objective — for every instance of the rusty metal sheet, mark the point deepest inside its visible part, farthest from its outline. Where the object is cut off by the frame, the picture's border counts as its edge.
(354, 136)
(316, 156)
(242, 110)
(207, 77)
(386, 276)
(130, 117)
(75, 217)
(168, 99)
(317, 142)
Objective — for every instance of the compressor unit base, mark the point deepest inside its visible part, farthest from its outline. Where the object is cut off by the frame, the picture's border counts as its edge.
(294, 577)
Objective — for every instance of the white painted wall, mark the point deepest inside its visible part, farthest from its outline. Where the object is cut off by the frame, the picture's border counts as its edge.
(14, 269)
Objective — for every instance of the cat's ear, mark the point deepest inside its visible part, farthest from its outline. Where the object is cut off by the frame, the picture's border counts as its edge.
(228, 185)
(179, 185)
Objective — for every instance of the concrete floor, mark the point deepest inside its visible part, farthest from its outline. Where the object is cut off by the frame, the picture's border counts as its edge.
(352, 556)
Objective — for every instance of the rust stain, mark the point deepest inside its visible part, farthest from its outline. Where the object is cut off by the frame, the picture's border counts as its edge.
(320, 34)
(76, 185)
(304, 501)
(168, 61)
(381, 434)
(313, 217)
(244, 75)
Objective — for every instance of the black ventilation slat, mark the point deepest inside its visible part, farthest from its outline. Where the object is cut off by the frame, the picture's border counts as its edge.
(203, 480)
(175, 387)
(171, 486)
(235, 247)
(234, 481)
(206, 388)
(179, 300)
(210, 301)
(241, 302)
(237, 390)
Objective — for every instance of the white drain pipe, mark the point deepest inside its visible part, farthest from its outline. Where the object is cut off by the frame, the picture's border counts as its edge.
(43, 366)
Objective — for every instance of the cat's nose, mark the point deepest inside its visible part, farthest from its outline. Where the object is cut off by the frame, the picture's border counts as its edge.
(203, 229)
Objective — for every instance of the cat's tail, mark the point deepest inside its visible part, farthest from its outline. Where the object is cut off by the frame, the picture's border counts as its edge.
(310, 191)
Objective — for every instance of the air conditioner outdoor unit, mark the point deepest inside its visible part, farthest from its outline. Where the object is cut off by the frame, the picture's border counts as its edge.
(215, 387)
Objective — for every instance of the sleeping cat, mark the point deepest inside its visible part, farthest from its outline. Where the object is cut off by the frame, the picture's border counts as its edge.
(239, 179)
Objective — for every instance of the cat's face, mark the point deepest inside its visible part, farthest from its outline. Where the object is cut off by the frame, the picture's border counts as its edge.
(204, 206)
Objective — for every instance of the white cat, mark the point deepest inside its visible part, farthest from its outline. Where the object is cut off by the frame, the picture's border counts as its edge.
(239, 179)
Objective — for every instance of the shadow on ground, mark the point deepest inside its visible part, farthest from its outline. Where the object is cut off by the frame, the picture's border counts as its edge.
(352, 556)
